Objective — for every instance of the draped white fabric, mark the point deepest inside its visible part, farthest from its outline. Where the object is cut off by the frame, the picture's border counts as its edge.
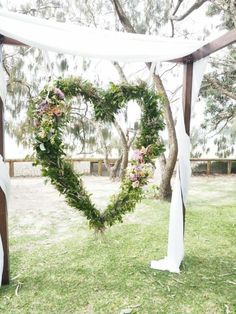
(5, 186)
(4, 176)
(3, 89)
(91, 42)
(175, 251)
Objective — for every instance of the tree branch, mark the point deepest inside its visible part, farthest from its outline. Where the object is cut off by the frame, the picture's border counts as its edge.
(194, 7)
(120, 71)
(122, 17)
(226, 92)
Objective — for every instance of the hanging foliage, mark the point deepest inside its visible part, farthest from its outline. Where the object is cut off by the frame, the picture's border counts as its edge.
(51, 112)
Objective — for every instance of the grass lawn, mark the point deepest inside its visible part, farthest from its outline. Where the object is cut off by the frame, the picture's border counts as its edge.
(83, 273)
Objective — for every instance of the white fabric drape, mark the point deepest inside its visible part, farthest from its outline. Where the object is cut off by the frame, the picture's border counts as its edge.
(91, 42)
(4, 175)
(175, 251)
(3, 89)
(5, 186)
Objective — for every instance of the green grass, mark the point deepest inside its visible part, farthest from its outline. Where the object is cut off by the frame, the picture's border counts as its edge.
(85, 273)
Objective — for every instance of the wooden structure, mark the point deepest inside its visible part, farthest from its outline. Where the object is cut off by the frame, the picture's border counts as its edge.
(97, 165)
(221, 42)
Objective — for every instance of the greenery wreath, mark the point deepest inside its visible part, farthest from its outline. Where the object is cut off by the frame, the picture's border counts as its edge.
(51, 112)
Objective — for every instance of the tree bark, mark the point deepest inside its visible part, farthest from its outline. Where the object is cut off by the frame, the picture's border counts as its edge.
(125, 150)
(167, 165)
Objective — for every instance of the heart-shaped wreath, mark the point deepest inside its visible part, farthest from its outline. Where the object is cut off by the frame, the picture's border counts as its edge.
(51, 111)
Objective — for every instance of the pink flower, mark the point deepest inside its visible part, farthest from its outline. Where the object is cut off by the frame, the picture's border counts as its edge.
(137, 155)
(36, 123)
(42, 107)
(133, 177)
(58, 93)
(135, 184)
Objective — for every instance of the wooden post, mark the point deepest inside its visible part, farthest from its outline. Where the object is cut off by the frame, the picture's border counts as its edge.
(229, 166)
(3, 207)
(100, 167)
(187, 98)
(208, 167)
(187, 94)
(11, 168)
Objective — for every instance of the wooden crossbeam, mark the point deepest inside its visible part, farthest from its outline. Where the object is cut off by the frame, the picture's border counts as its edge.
(223, 41)
(10, 41)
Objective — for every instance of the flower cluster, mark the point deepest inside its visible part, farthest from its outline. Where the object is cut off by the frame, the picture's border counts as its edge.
(139, 171)
(46, 111)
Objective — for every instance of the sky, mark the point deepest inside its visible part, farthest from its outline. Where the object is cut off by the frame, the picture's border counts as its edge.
(197, 21)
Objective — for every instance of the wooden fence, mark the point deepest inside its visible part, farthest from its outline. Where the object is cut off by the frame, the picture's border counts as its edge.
(209, 161)
(96, 165)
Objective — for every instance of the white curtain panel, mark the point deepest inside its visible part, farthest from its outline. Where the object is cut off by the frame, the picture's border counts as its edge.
(92, 42)
(4, 175)
(3, 89)
(175, 250)
(5, 186)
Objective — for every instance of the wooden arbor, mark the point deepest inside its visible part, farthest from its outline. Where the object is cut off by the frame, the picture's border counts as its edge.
(221, 42)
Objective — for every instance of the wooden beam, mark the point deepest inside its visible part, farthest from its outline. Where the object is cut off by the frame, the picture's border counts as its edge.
(9, 41)
(3, 207)
(187, 99)
(187, 94)
(213, 46)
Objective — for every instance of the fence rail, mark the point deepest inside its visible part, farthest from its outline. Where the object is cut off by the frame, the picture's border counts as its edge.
(209, 161)
(96, 166)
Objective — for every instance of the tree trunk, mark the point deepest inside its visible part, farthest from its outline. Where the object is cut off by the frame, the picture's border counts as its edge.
(169, 163)
(125, 149)
(124, 162)
(114, 169)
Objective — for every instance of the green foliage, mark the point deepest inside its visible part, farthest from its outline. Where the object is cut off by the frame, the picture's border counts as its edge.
(219, 88)
(50, 113)
(226, 9)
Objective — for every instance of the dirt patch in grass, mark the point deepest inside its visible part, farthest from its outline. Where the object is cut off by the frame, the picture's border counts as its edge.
(37, 209)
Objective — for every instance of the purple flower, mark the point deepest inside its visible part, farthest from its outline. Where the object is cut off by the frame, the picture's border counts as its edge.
(137, 155)
(58, 93)
(43, 105)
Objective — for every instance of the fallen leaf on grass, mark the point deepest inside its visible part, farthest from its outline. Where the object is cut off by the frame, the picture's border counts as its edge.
(18, 286)
(130, 309)
(231, 282)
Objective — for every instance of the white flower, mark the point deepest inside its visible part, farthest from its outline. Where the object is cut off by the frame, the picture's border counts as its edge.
(42, 147)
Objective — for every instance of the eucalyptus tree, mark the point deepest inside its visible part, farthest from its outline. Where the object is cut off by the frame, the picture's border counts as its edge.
(149, 17)
(219, 87)
(28, 70)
